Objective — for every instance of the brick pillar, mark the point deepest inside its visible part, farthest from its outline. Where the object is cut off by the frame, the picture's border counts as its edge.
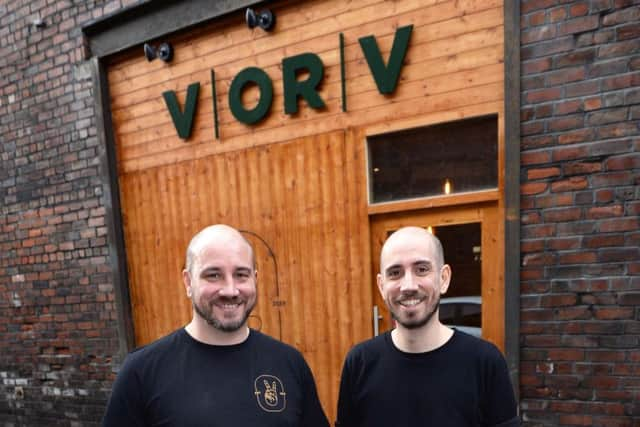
(58, 333)
(580, 289)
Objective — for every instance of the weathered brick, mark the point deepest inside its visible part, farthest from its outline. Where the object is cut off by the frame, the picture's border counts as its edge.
(609, 67)
(536, 141)
(579, 9)
(562, 214)
(619, 224)
(629, 31)
(602, 240)
(624, 162)
(543, 173)
(568, 107)
(533, 188)
(564, 243)
(566, 123)
(565, 75)
(580, 168)
(579, 25)
(535, 19)
(618, 254)
(579, 135)
(536, 66)
(543, 111)
(536, 50)
(543, 95)
(606, 211)
(621, 48)
(570, 153)
(528, 6)
(617, 130)
(535, 157)
(592, 103)
(571, 184)
(602, 117)
(631, 14)
(610, 179)
(588, 87)
(536, 34)
(576, 57)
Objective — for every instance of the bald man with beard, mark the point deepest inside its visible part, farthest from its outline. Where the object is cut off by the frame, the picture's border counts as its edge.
(422, 373)
(216, 371)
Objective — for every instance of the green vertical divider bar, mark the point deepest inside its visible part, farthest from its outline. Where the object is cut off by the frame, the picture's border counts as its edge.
(215, 104)
(343, 76)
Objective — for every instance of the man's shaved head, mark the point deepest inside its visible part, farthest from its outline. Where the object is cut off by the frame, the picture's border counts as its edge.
(406, 234)
(218, 233)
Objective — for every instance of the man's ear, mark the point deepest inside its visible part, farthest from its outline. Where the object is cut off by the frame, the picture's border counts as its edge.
(186, 280)
(445, 278)
(380, 284)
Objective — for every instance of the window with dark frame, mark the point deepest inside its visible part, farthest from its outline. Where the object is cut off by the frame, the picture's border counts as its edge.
(441, 159)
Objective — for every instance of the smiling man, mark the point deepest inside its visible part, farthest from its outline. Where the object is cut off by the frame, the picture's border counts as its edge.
(216, 371)
(422, 372)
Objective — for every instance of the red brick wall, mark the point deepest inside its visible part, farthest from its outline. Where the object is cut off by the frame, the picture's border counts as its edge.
(580, 289)
(57, 328)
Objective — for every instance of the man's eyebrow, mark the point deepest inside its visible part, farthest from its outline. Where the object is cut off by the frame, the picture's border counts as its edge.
(391, 267)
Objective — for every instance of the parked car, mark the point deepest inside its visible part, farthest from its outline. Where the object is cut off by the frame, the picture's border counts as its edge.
(463, 313)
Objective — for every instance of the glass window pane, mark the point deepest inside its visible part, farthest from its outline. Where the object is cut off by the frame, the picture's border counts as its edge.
(461, 306)
(446, 158)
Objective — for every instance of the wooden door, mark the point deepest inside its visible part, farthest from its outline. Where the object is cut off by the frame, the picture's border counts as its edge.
(458, 224)
(302, 206)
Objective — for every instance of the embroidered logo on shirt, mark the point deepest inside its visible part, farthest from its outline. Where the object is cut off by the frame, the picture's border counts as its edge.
(270, 393)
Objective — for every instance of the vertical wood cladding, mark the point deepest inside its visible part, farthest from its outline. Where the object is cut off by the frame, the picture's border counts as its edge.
(454, 61)
(296, 181)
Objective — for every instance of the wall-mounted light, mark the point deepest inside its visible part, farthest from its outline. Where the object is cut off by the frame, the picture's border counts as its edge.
(265, 19)
(164, 52)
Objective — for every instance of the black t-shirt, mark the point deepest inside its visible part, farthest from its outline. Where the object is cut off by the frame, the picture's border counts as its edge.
(465, 382)
(178, 381)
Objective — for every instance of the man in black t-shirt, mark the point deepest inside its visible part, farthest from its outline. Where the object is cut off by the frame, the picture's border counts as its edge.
(216, 372)
(422, 373)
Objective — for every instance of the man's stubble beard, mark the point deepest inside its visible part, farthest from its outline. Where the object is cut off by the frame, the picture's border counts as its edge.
(222, 326)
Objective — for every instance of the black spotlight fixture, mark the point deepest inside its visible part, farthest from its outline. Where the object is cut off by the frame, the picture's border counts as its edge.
(164, 52)
(265, 19)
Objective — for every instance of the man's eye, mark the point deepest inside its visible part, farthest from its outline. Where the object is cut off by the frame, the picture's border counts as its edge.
(393, 274)
(242, 275)
(422, 270)
(212, 276)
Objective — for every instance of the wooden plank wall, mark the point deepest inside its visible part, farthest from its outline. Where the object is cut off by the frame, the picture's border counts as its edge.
(303, 200)
(296, 181)
(454, 63)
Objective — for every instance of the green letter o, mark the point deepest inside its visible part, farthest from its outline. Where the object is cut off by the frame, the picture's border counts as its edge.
(262, 80)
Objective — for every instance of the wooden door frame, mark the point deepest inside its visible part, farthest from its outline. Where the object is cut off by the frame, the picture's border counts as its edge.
(487, 214)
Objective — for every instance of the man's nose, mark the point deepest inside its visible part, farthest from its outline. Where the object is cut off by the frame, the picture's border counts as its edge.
(409, 283)
(229, 287)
